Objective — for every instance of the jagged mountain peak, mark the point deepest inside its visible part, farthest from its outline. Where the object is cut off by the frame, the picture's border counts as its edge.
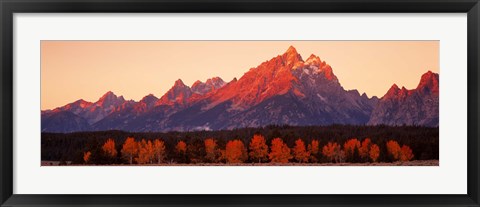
(429, 82)
(315, 66)
(197, 83)
(82, 103)
(291, 50)
(108, 94)
(396, 92)
(149, 98)
(282, 90)
(75, 106)
(215, 81)
(401, 106)
(286, 73)
(313, 60)
(393, 91)
(210, 85)
(179, 83)
(110, 99)
(429, 75)
(145, 104)
(291, 57)
(178, 94)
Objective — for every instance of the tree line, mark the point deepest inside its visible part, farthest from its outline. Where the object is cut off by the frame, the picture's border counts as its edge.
(154, 152)
(275, 144)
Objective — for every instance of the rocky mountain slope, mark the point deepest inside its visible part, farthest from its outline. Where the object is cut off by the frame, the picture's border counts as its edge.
(419, 106)
(283, 90)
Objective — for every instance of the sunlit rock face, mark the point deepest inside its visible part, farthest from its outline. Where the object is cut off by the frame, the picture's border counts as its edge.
(285, 90)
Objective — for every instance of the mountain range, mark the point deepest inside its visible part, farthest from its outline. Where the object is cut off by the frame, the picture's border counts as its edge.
(283, 90)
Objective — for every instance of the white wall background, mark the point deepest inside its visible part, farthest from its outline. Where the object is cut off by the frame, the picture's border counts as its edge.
(449, 177)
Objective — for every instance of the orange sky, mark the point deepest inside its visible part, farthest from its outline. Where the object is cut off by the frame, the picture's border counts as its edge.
(87, 69)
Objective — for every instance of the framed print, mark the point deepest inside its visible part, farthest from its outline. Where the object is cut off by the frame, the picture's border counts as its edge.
(262, 103)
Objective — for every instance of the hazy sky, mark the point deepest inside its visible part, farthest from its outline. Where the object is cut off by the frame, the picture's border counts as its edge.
(87, 69)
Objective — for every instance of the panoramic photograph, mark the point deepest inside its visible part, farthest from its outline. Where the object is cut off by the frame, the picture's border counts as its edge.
(239, 103)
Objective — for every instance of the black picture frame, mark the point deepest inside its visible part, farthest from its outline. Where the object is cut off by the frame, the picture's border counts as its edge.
(10, 7)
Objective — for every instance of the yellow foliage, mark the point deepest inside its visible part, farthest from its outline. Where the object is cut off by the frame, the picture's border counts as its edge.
(130, 149)
(159, 150)
(145, 152)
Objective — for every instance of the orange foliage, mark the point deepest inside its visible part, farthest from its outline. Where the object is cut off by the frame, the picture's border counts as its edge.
(258, 148)
(109, 148)
(159, 150)
(145, 152)
(393, 149)
(86, 156)
(299, 151)
(210, 149)
(329, 150)
(181, 147)
(374, 152)
(364, 150)
(235, 152)
(314, 149)
(333, 152)
(130, 149)
(149, 152)
(350, 146)
(406, 154)
(279, 153)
